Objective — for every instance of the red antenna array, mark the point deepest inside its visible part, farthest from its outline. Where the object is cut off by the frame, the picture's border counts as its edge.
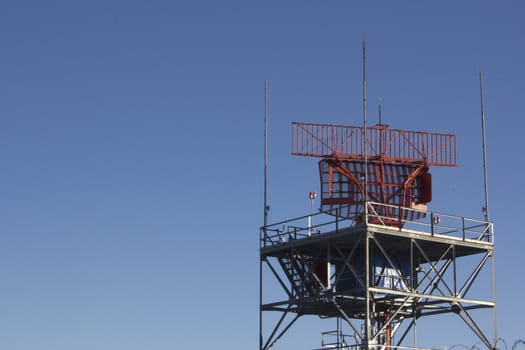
(396, 166)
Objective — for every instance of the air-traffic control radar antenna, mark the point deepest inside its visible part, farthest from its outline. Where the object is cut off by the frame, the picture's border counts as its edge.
(397, 165)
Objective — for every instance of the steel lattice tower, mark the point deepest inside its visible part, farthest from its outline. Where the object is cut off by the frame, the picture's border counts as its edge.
(375, 258)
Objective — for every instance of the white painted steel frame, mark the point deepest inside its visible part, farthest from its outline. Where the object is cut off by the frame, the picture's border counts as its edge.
(289, 262)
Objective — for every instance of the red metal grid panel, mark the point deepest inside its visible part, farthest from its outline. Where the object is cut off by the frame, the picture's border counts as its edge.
(392, 145)
(391, 184)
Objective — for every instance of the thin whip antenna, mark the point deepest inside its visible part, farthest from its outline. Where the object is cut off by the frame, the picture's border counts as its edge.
(266, 207)
(380, 110)
(486, 208)
(368, 324)
(485, 182)
(365, 141)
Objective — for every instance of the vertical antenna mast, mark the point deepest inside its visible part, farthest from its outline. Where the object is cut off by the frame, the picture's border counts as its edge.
(368, 324)
(265, 151)
(486, 208)
(485, 185)
(365, 146)
(380, 112)
(382, 136)
(380, 116)
(265, 217)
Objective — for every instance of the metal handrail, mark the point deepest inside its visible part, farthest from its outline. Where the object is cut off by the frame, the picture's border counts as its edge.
(437, 223)
(432, 223)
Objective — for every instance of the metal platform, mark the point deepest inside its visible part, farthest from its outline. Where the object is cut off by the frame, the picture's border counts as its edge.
(398, 270)
(323, 244)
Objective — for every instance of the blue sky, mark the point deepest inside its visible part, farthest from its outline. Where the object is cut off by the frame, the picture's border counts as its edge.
(131, 148)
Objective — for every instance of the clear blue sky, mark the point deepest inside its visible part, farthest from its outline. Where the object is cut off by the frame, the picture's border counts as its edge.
(131, 151)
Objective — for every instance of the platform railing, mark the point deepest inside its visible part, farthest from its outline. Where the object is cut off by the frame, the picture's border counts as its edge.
(432, 223)
(338, 340)
(298, 228)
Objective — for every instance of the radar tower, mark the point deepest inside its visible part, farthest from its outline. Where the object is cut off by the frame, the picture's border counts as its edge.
(374, 258)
